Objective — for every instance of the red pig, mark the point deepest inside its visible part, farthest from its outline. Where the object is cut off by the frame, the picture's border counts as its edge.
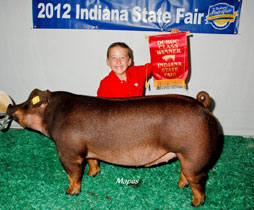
(142, 131)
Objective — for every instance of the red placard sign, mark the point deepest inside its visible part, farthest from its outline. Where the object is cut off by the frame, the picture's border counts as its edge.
(169, 59)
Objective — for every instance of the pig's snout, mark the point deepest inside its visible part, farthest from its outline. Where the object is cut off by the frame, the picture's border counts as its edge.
(10, 110)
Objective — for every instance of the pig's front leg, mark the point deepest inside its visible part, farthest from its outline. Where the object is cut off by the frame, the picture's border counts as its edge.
(94, 168)
(72, 164)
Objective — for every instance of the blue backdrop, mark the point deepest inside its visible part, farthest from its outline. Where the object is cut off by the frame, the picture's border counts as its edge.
(209, 16)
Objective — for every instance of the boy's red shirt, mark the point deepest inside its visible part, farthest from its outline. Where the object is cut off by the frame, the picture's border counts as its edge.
(112, 87)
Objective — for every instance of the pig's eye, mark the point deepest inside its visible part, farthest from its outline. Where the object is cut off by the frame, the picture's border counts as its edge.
(27, 106)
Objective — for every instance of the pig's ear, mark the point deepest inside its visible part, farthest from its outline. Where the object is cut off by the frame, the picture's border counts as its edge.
(34, 93)
(46, 96)
(39, 97)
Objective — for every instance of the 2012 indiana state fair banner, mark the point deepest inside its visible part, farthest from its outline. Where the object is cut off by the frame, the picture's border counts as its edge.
(196, 16)
(169, 59)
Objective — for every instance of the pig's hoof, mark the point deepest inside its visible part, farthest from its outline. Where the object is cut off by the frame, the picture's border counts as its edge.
(197, 204)
(93, 173)
(72, 192)
(183, 184)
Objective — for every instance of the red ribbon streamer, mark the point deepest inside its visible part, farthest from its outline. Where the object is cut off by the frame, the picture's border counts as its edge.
(169, 59)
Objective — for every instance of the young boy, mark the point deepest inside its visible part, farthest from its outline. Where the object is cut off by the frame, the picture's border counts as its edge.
(124, 80)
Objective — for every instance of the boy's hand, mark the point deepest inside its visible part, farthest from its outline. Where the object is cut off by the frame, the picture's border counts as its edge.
(175, 30)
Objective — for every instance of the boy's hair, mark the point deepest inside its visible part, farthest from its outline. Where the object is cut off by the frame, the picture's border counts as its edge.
(123, 45)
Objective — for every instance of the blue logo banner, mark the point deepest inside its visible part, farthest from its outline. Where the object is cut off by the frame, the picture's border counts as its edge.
(210, 16)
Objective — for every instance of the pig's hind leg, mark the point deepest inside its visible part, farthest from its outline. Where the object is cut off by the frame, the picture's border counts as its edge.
(183, 182)
(193, 176)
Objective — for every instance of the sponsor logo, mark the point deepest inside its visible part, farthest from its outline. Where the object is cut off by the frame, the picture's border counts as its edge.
(221, 15)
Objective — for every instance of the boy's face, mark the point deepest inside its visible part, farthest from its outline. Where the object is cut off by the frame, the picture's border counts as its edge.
(118, 60)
